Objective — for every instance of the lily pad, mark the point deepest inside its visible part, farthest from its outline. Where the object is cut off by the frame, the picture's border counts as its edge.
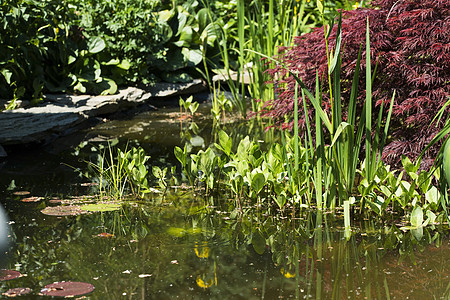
(100, 207)
(9, 274)
(66, 210)
(67, 289)
(21, 193)
(31, 199)
(17, 292)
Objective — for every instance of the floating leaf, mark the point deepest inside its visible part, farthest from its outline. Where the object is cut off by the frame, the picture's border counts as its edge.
(16, 292)
(21, 193)
(67, 210)
(67, 289)
(9, 274)
(101, 207)
(31, 199)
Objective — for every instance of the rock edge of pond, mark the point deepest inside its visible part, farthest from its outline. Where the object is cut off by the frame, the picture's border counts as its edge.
(62, 114)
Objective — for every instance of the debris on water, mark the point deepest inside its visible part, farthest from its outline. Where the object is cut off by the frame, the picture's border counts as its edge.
(105, 235)
(67, 289)
(89, 184)
(9, 274)
(16, 292)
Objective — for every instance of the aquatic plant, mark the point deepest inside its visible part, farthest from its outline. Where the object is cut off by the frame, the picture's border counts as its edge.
(410, 56)
(118, 172)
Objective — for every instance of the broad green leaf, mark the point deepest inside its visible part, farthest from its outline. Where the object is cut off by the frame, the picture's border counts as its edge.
(186, 36)
(96, 45)
(111, 62)
(7, 75)
(258, 242)
(124, 64)
(433, 195)
(165, 15)
(417, 216)
(258, 182)
(280, 200)
(180, 155)
(108, 86)
(192, 57)
(417, 233)
(202, 19)
(431, 217)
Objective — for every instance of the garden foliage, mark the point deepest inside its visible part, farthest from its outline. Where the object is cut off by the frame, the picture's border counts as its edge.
(92, 46)
(411, 55)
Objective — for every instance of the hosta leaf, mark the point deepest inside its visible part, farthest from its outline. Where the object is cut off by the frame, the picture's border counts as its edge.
(96, 45)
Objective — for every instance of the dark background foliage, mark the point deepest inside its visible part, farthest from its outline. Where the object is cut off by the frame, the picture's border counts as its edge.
(411, 48)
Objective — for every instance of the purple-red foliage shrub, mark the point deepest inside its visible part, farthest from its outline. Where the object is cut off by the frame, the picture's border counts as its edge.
(411, 41)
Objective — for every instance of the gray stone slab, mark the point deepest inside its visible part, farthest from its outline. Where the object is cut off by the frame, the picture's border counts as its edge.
(59, 113)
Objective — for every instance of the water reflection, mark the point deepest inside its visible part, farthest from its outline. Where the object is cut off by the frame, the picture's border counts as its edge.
(181, 247)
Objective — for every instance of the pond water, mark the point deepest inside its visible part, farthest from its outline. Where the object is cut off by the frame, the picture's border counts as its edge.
(182, 246)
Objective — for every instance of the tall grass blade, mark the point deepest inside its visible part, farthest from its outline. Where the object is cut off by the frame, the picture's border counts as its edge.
(368, 108)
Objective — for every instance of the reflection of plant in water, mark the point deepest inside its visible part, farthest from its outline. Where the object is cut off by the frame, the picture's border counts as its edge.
(201, 250)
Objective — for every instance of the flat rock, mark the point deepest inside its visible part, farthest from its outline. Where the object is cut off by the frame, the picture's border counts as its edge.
(59, 113)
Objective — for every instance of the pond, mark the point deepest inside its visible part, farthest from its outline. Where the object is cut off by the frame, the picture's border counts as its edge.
(182, 246)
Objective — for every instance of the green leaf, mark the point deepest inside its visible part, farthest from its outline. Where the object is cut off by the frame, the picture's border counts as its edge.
(108, 86)
(280, 200)
(165, 15)
(124, 64)
(337, 50)
(320, 6)
(7, 75)
(186, 36)
(417, 217)
(446, 161)
(417, 233)
(96, 45)
(433, 195)
(225, 142)
(180, 155)
(258, 182)
(431, 217)
(202, 19)
(258, 242)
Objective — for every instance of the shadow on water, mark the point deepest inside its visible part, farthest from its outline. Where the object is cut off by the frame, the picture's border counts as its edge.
(183, 246)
